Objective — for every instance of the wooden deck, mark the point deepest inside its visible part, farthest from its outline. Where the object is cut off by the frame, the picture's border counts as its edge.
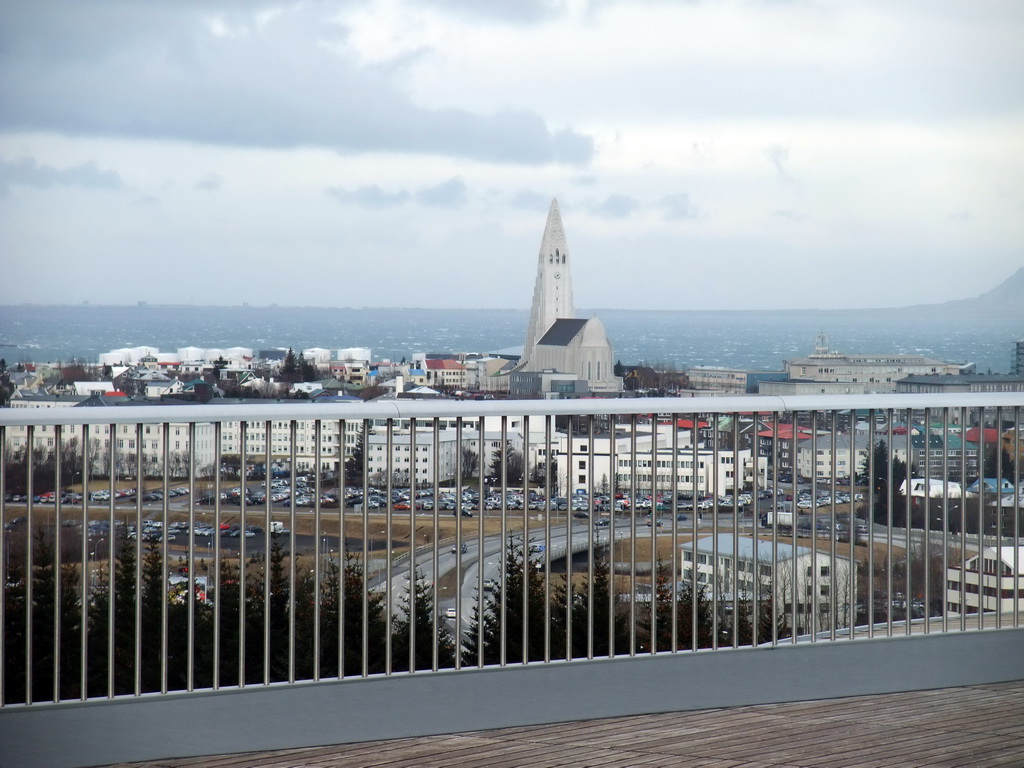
(981, 725)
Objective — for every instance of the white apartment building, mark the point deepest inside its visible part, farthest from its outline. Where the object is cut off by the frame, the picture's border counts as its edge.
(580, 458)
(429, 458)
(709, 473)
(128, 442)
(818, 589)
(277, 440)
(814, 457)
(998, 585)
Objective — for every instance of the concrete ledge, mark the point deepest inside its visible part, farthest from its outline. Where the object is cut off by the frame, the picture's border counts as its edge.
(316, 714)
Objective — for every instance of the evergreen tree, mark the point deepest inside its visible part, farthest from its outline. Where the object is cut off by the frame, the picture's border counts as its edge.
(661, 633)
(355, 465)
(307, 369)
(289, 369)
(521, 577)
(418, 614)
(606, 611)
(354, 589)
(513, 462)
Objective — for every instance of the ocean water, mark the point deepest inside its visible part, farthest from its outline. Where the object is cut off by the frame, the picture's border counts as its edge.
(745, 339)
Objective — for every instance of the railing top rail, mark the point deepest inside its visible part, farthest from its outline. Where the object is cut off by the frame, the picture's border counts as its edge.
(424, 409)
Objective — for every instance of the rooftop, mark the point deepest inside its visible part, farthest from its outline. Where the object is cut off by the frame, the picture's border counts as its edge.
(978, 725)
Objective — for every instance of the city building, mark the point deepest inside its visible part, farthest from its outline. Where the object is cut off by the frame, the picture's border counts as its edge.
(997, 585)
(816, 457)
(728, 381)
(428, 458)
(811, 581)
(720, 381)
(710, 472)
(972, 382)
(556, 340)
(861, 373)
(928, 455)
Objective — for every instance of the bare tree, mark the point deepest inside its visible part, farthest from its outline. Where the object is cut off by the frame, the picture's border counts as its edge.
(470, 462)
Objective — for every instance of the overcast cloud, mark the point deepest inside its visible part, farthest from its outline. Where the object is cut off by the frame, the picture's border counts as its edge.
(412, 149)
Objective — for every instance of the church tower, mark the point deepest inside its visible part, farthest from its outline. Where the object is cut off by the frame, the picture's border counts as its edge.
(552, 293)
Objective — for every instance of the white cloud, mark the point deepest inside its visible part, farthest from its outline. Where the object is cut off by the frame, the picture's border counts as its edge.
(411, 149)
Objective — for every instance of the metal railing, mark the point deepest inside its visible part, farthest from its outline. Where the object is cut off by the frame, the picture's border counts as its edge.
(159, 549)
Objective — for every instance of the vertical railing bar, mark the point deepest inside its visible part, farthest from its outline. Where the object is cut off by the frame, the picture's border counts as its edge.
(833, 582)
(503, 539)
(412, 547)
(569, 496)
(813, 607)
(945, 521)
(981, 516)
(83, 592)
(963, 518)
(389, 452)
(870, 597)
(191, 659)
(112, 482)
(365, 585)
(793, 559)
(737, 487)
(458, 536)
(293, 554)
(30, 492)
(613, 423)
(57, 509)
(591, 519)
(551, 478)
(999, 517)
(268, 437)
(653, 607)
(1018, 503)
(697, 512)
(851, 587)
(137, 655)
(435, 553)
(890, 497)
(217, 593)
(111, 583)
(3, 563)
(755, 561)
(674, 564)
(165, 430)
(481, 501)
(773, 584)
(927, 520)
(633, 483)
(525, 553)
(716, 580)
(908, 548)
(317, 549)
(243, 587)
(339, 641)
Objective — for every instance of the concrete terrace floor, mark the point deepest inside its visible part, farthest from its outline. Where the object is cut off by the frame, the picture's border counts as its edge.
(979, 725)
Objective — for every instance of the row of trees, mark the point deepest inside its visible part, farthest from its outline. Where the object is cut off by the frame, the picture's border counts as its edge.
(343, 593)
(45, 463)
(585, 617)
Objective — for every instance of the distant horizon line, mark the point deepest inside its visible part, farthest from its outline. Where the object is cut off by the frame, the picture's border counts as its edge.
(525, 310)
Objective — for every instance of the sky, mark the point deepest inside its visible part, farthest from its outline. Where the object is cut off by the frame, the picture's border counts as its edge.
(726, 154)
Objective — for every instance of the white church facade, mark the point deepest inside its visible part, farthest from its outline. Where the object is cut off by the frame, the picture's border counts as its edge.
(563, 355)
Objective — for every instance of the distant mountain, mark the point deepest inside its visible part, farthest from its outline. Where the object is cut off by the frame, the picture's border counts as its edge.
(1007, 298)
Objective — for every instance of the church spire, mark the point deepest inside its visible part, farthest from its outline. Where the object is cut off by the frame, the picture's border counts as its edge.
(552, 293)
